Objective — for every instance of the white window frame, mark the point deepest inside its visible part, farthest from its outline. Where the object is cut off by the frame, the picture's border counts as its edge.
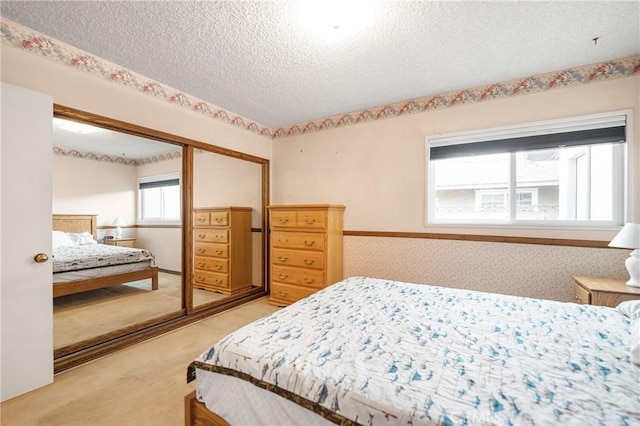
(624, 198)
(157, 178)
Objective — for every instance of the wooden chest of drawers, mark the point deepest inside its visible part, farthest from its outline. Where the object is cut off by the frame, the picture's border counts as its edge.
(222, 249)
(306, 247)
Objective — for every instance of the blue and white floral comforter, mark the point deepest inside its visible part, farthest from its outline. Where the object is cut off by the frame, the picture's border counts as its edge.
(388, 353)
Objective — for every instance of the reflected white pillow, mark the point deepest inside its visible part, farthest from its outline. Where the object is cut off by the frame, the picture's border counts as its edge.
(60, 239)
(82, 238)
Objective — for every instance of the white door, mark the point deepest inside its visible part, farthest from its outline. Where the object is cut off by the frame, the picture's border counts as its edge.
(26, 294)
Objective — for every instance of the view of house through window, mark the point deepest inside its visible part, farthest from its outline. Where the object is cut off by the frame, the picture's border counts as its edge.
(559, 183)
(160, 197)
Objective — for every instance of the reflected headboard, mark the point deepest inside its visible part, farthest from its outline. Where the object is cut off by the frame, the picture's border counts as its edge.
(76, 223)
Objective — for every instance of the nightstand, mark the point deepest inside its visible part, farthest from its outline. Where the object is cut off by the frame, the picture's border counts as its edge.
(121, 242)
(603, 291)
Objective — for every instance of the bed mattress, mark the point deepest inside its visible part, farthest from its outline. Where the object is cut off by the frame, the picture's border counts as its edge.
(380, 352)
(74, 258)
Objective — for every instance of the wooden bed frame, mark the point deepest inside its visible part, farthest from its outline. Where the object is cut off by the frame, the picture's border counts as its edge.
(88, 223)
(197, 414)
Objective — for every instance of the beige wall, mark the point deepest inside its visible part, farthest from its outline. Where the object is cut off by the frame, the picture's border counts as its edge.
(377, 170)
(82, 186)
(220, 181)
(77, 89)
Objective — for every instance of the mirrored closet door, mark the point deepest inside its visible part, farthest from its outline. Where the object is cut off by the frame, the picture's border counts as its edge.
(131, 208)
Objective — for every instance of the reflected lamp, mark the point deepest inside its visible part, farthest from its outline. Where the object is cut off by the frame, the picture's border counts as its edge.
(118, 222)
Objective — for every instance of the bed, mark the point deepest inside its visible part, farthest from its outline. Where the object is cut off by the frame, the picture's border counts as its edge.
(380, 352)
(86, 267)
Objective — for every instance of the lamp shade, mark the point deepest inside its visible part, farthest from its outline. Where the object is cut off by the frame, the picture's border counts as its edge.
(628, 237)
(119, 222)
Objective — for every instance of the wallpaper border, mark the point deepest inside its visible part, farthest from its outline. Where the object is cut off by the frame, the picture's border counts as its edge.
(26, 39)
(70, 152)
(617, 68)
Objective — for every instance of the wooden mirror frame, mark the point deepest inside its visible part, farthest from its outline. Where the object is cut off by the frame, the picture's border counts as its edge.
(76, 354)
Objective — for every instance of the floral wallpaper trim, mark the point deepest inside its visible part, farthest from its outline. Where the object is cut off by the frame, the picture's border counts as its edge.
(115, 159)
(618, 68)
(26, 39)
(29, 40)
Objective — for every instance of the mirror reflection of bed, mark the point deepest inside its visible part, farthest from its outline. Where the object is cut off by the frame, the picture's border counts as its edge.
(98, 171)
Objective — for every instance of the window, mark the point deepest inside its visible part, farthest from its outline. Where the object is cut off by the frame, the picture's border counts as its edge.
(159, 197)
(565, 172)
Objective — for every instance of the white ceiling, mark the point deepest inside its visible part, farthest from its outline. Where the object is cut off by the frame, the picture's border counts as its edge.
(261, 59)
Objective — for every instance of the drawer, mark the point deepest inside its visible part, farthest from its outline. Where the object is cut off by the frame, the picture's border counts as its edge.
(211, 235)
(210, 278)
(306, 258)
(131, 244)
(287, 294)
(210, 249)
(219, 218)
(297, 276)
(582, 296)
(212, 264)
(201, 218)
(283, 218)
(312, 219)
(298, 240)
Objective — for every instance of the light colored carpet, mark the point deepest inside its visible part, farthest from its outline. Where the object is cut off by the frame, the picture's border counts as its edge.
(140, 385)
(82, 316)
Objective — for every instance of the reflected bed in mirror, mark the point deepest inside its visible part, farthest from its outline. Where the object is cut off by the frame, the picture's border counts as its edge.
(117, 283)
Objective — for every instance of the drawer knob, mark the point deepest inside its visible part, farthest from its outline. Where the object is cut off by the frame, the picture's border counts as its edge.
(283, 258)
(309, 243)
(201, 250)
(218, 267)
(309, 280)
(283, 294)
(218, 251)
(283, 276)
(310, 221)
(309, 262)
(218, 281)
(201, 235)
(201, 264)
(283, 220)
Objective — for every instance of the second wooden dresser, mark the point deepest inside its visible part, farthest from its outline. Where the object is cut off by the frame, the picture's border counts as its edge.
(222, 249)
(306, 247)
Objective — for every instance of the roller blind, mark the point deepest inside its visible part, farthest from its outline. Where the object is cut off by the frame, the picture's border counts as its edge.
(529, 143)
(535, 136)
(159, 183)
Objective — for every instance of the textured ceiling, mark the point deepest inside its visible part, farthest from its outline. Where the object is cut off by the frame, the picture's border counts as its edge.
(264, 61)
